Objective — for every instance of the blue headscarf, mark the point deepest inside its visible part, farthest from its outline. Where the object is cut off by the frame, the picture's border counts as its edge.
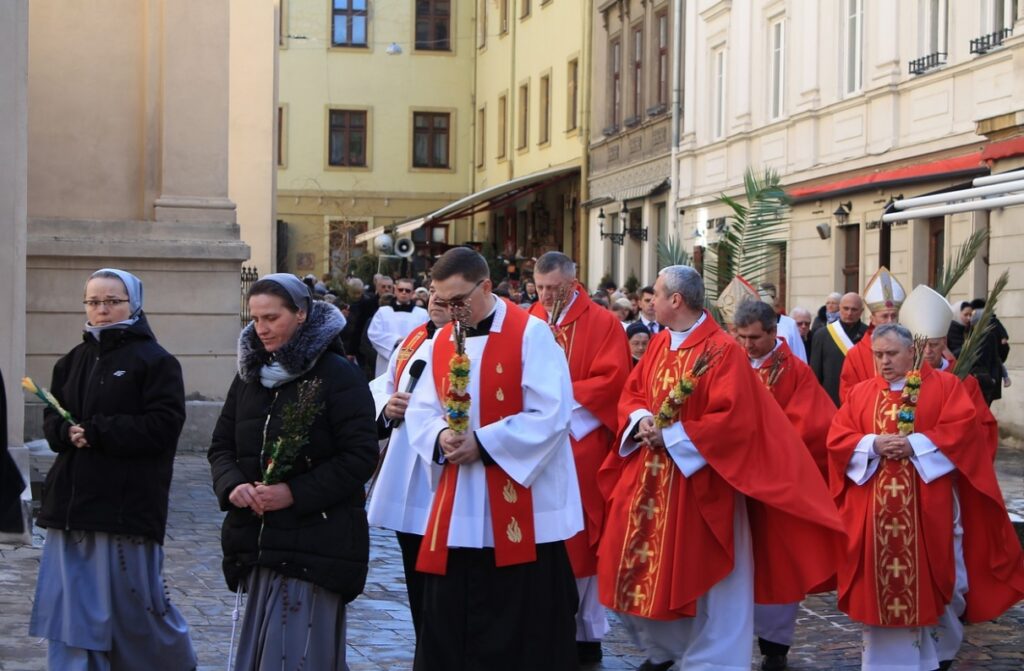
(133, 285)
(295, 287)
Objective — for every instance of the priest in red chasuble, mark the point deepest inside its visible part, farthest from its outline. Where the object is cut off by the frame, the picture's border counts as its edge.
(491, 420)
(599, 362)
(883, 294)
(929, 539)
(708, 475)
(810, 410)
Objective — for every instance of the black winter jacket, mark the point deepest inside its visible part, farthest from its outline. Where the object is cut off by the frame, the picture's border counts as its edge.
(323, 537)
(127, 393)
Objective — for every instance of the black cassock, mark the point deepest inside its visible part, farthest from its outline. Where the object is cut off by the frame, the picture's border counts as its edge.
(827, 359)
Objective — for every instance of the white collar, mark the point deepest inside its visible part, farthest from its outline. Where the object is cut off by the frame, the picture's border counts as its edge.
(758, 362)
(897, 385)
(679, 337)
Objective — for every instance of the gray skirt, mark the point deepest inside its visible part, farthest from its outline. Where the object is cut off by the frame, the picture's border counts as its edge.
(101, 602)
(290, 624)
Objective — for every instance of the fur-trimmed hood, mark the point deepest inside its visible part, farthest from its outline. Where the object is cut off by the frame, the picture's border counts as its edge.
(321, 329)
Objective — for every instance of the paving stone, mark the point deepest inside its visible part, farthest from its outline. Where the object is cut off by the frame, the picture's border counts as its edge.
(380, 634)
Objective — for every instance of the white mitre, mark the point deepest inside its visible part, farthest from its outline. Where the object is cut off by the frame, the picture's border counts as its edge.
(926, 313)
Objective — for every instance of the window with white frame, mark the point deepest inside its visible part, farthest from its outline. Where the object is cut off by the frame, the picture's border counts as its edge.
(932, 26)
(998, 15)
(853, 33)
(718, 92)
(777, 65)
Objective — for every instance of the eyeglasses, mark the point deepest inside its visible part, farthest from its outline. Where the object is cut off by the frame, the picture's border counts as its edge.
(109, 303)
(456, 301)
(803, 323)
(403, 290)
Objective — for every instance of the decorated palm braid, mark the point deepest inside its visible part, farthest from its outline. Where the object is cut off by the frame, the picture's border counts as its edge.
(456, 399)
(298, 417)
(669, 412)
(558, 305)
(47, 398)
(911, 391)
(774, 368)
(978, 335)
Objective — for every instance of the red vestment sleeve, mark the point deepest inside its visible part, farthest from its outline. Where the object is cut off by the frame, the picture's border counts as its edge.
(858, 366)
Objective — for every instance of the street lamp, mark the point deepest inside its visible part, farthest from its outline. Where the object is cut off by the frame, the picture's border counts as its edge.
(842, 213)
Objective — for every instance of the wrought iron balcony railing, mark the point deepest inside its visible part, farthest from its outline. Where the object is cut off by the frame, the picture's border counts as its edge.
(925, 63)
(986, 43)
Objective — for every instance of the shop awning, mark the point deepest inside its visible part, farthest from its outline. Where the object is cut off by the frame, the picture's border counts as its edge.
(958, 166)
(495, 196)
(630, 193)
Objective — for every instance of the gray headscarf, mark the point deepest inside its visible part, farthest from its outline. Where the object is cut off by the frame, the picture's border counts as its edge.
(133, 286)
(295, 287)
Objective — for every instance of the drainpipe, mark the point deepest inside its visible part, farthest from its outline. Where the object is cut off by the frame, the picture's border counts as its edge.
(677, 101)
(583, 100)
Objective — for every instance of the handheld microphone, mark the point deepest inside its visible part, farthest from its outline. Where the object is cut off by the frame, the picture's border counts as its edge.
(414, 376)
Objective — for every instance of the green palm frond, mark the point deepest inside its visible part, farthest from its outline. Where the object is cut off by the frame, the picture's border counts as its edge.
(957, 265)
(752, 228)
(976, 338)
(672, 253)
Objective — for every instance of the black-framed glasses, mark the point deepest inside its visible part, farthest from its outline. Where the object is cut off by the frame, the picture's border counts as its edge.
(404, 290)
(108, 303)
(457, 301)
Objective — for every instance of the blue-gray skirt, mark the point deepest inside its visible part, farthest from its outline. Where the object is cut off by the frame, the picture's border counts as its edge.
(101, 602)
(290, 624)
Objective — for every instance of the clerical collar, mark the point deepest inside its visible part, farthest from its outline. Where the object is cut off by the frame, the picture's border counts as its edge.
(408, 307)
(484, 327)
(945, 364)
(679, 337)
(897, 385)
(759, 361)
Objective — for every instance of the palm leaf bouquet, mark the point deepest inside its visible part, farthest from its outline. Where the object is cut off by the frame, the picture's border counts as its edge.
(298, 417)
(49, 399)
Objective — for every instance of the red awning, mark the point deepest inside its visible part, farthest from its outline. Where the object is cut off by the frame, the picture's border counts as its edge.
(974, 163)
(949, 167)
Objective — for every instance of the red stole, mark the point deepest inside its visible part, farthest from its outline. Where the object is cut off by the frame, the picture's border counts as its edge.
(501, 395)
(409, 346)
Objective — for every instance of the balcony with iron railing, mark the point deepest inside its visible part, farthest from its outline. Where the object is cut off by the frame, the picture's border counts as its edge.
(986, 43)
(919, 66)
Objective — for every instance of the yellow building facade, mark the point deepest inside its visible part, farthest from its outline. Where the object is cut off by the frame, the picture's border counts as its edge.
(375, 123)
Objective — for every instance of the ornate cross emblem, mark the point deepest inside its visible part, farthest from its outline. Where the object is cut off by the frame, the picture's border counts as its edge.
(892, 412)
(650, 509)
(896, 568)
(894, 526)
(654, 465)
(636, 595)
(894, 488)
(897, 607)
(644, 552)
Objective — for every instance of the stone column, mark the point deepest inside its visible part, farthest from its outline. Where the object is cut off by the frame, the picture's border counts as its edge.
(13, 215)
(194, 138)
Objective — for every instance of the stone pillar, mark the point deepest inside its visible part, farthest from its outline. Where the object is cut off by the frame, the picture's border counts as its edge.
(194, 92)
(13, 215)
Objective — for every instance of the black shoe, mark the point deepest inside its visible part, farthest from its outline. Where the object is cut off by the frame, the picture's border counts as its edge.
(648, 665)
(944, 666)
(588, 652)
(773, 663)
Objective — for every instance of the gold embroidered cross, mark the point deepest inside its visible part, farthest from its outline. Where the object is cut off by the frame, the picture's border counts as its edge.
(897, 607)
(650, 509)
(636, 595)
(894, 488)
(893, 412)
(654, 465)
(894, 526)
(896, 568)
(644, 552)
(667, 380)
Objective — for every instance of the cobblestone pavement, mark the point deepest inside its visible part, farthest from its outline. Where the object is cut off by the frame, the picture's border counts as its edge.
(379, 626)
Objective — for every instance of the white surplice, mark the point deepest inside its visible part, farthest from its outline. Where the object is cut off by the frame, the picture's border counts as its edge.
(388, 329)
(532, 446)
(790, 332)
(403, 492)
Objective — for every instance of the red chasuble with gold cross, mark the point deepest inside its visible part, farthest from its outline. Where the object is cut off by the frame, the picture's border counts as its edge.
(668, 538)
(898, 569)
(599, 362)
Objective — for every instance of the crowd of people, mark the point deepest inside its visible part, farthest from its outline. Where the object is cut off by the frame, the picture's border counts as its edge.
(542, 457)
